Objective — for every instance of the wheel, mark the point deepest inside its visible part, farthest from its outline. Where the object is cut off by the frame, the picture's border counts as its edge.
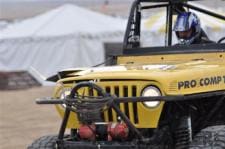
(45, 142)
(210, 138)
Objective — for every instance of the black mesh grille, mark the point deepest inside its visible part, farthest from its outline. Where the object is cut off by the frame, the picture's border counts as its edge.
(130, 109)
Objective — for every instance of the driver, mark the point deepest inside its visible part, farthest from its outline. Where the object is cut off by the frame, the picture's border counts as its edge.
(188, 29)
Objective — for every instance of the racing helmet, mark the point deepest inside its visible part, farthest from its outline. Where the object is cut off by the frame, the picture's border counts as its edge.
(187, 22)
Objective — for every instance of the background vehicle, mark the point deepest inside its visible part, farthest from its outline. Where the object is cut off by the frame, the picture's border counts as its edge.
(154, 97)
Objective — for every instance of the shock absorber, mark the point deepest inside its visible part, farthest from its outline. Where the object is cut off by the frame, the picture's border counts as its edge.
(183, 134)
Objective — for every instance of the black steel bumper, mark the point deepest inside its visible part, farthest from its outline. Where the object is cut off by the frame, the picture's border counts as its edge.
(104, 145)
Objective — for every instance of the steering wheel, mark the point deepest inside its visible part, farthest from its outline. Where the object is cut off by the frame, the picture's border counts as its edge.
(221, 39)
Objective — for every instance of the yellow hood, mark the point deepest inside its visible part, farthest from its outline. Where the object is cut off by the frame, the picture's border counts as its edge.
(176, 77)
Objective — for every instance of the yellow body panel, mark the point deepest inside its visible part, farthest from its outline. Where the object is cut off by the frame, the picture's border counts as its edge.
(189, 73)
(177, 74)
(217, 57)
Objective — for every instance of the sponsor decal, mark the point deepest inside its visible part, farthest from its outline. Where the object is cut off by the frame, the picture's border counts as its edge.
(202, 82)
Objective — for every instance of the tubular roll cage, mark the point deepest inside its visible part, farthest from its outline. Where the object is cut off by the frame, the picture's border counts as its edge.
(114, 105)
(172, 7)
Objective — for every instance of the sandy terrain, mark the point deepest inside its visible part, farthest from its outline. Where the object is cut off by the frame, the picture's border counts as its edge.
(22, 121)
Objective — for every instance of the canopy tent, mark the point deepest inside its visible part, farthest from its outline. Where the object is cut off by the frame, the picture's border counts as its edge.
(65, 37)
(156, 24)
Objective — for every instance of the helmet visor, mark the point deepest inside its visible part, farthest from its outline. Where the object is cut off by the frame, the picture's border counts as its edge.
(182, 23)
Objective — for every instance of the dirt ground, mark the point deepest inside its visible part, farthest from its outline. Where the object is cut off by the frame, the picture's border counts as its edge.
(22, 121)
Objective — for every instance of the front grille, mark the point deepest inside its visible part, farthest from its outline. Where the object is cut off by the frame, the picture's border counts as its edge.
(122, 90)
(139, 115)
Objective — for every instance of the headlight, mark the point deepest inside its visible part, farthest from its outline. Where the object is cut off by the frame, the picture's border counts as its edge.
(64, 93)
(151, 91)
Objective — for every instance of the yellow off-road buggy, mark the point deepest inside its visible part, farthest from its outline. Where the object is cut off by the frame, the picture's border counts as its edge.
(153, 97)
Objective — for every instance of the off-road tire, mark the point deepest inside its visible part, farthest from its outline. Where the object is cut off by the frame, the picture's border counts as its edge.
(212, 137)
(45, 142)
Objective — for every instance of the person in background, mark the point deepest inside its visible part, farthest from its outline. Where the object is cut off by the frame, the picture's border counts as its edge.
(188, 29)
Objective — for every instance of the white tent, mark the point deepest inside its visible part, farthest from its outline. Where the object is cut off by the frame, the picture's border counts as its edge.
(68, 36)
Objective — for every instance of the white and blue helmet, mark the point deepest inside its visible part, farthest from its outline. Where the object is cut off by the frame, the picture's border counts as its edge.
(186, 21)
